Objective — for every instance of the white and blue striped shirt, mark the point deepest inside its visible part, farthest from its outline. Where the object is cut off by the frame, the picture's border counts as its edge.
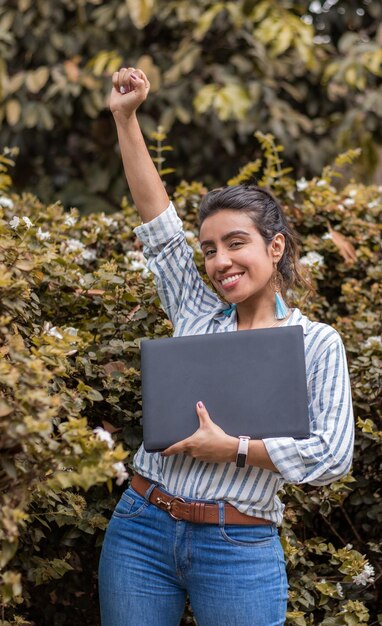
(194, 309)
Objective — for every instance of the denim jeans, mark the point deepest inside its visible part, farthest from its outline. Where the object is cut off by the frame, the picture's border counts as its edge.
(233, 574)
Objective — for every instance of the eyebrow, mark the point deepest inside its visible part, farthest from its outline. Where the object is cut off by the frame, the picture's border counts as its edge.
(232, 233)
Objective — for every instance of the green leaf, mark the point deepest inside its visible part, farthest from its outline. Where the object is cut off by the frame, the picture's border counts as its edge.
(141, 11)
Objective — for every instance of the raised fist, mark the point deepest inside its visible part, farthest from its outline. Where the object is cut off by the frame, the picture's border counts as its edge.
(130, 89)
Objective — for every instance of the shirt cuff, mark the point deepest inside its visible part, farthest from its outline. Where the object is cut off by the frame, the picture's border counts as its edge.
(285, 456)
(161, 229)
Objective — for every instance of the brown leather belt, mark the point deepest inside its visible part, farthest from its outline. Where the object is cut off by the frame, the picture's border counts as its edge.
(198, 512)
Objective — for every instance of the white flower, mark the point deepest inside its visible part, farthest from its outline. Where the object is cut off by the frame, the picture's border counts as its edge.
(321, 183)
(301, 184)
(136, 262)
(27, 222)
(340, 590)
(71, 331)
(53, 332)
(315, 6)
(72, 245)
(42, 235)
(349, 202)
(15, 221)
(341, 207)
(88, 255)
(327, 236)
(121, 473)
(190, 236)
(349, 546)
(312, 259)
(109, 221)
(76, 246)
(104, 435)
(352, 193)
(70, 220)
(366, 576)
(373, 204)
(374, 341)
(6, 203)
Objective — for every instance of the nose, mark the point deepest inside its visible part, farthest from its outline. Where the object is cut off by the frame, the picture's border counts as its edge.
(222, 260)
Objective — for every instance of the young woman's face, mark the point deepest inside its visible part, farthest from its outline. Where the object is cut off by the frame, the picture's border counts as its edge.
(238, 261)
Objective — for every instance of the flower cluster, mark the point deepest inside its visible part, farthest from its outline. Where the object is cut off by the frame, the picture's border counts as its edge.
(312, 259)
(15, 222)
(120, 469)
(6, 203)
(82, 253)
(43, 235)
(70, 220)
(366, 576)
(136, 262)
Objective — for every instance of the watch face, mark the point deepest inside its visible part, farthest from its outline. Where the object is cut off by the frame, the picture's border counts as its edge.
(240, 460)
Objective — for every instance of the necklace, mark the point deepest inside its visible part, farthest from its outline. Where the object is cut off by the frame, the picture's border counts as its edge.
(277, 322)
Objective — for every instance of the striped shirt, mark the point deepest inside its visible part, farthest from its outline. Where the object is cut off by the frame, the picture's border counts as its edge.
(194, 309)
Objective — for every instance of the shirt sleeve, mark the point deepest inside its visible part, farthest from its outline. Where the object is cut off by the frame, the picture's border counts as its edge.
(327, 454)
(169, 257)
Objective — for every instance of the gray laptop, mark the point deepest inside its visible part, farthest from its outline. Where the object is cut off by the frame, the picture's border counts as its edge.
(252, 382)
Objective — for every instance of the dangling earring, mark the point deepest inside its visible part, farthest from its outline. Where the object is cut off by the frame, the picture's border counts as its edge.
(281, 309)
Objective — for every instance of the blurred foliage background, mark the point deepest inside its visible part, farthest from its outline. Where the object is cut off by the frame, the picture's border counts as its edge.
(309, 72)
(76, 298)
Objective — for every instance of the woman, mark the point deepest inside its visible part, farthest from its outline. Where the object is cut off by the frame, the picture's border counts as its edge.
(201, 518)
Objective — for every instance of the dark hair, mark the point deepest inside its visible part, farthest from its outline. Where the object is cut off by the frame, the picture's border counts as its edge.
(269, 219)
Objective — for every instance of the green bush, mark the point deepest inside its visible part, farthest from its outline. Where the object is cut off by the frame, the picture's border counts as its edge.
(76, 299)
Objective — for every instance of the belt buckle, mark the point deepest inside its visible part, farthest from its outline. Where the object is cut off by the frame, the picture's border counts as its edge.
(169, 504)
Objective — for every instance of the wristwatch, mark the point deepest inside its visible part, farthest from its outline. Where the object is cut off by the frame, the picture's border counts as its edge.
(242, 451)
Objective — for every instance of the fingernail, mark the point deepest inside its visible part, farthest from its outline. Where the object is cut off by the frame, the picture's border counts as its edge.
(134, 76)
(200, 404)
(122, 89)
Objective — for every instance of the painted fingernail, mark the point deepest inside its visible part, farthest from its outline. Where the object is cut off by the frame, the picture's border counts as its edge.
(122, 89)
(200, 405)
(134, 76)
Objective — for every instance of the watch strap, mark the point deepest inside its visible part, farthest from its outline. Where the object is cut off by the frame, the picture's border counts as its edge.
(242, 451)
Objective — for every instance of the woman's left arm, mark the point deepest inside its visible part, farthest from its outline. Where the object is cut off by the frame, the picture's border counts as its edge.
(327, 454)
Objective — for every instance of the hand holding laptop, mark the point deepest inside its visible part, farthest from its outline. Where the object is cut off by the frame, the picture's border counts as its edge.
(209, 443)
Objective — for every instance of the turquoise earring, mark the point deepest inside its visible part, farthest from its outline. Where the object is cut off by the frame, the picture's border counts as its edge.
(281, 309)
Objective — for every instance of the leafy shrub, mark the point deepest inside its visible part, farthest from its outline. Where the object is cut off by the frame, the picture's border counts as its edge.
(76, 299)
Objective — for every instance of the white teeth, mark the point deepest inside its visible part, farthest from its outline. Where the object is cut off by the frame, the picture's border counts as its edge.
(230, 279)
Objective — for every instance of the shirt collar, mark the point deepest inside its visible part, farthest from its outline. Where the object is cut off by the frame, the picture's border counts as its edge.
(226, 312)
(297, 318)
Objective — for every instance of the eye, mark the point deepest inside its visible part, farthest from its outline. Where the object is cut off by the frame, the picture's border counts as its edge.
(236, 244)
(209, 253)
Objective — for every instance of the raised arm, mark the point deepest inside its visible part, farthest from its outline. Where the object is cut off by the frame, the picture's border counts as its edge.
(130, 89)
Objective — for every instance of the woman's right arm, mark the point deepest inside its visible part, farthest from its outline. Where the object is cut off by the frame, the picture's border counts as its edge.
(130, 89)
(180, 286)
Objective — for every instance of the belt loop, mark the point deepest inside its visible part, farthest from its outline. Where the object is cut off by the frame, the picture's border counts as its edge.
(149, 491)
(221, 513)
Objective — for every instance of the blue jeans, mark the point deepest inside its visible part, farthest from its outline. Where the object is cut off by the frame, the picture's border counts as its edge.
(234, 575)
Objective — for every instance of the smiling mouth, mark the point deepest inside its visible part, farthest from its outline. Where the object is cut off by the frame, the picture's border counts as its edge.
(230, 281)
